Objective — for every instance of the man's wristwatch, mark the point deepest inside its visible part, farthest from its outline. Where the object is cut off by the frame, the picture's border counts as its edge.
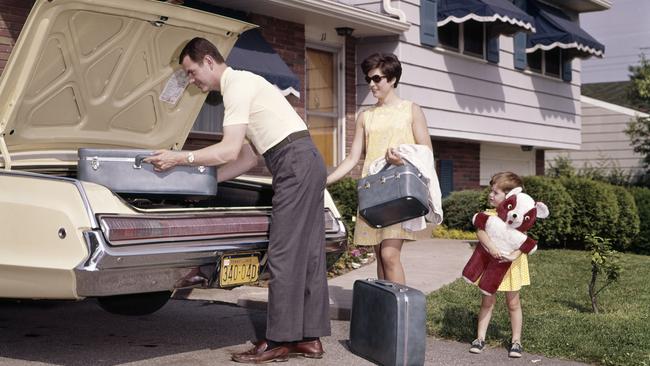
(190, 157)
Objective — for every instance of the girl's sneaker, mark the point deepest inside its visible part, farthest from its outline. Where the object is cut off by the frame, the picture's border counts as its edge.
(477, 346)
(515, 350)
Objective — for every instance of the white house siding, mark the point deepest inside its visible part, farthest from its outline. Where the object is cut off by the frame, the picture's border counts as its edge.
(499, 158)
(603, 137)
(470, 99)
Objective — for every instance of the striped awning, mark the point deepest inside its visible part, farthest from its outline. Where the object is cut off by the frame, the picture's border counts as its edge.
(556, 29)
(503, 13)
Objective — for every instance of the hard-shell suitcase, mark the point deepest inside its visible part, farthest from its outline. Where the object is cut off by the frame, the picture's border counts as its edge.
(387, 324)
(392, 195)
(122, 171)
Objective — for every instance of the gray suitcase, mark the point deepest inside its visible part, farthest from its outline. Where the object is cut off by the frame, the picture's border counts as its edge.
(387, 324)
(122, 171)
(393, 195)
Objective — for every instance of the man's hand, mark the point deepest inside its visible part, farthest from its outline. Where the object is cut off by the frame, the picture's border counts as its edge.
(392, 157)
(165, 159)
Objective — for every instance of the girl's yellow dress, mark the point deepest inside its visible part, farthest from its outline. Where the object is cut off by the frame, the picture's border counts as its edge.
(518, 275)
(385, 126)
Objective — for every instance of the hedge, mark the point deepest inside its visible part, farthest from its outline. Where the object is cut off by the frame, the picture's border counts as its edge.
(641, 244)
(627, 228)
(552, 231)
(344, 194)
(596, 211)
(460, 206)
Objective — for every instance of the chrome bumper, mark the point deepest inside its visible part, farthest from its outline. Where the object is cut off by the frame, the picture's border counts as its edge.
(165, 267)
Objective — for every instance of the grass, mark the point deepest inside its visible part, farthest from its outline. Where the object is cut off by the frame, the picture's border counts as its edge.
(558, 319)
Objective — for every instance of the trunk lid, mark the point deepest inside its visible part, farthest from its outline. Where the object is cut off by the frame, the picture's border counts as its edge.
(88, 73)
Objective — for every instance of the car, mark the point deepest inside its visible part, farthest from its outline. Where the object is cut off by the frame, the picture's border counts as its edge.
(88, 74)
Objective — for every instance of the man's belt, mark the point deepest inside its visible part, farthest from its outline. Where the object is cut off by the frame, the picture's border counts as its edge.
(287, 140)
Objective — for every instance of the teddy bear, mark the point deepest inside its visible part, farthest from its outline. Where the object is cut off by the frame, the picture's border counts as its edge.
(515, 216)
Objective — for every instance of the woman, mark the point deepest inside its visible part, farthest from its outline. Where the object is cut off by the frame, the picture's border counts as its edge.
(379, 130)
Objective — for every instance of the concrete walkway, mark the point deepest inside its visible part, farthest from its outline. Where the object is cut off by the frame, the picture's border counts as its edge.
(429, 265)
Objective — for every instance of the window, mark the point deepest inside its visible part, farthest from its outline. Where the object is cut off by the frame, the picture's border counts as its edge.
(467, 38)
(210, 118)
(546, 62)
(322, 102)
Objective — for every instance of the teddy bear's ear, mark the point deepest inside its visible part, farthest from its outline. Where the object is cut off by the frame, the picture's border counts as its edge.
(514, 191)
(542, 210)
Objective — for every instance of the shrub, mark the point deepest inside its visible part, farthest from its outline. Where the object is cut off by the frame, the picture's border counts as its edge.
(441, 231)
(641, 244)
(552, 231)
(627, 227)
(460, 206)
(596, 211)
(344, 194)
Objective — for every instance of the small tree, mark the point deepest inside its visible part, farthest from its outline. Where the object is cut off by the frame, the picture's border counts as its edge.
(639, 96)
(604, 261)
(561, 166)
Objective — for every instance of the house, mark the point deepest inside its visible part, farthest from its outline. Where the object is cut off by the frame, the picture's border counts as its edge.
(498, 81)
(604, 142)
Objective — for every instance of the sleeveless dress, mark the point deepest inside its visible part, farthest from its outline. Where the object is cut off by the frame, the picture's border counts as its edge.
(385, 126)
(517, 275)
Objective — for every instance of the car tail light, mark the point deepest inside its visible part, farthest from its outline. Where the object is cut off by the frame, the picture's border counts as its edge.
(121, 230)
(331, 223)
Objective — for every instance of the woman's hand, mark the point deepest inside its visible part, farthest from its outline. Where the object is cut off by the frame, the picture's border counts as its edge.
(393, 157)
(165, 159)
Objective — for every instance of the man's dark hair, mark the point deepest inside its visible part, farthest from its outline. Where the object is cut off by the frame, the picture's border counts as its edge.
(387, 63)
(198, 48)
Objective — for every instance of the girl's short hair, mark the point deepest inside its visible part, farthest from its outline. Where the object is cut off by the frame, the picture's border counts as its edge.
(506, 181)
(387, 63)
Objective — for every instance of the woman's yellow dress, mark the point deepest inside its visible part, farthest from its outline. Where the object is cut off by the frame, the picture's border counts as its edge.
(385, 126)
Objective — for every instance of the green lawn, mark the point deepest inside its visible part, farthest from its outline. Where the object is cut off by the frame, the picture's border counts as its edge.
(558, 320)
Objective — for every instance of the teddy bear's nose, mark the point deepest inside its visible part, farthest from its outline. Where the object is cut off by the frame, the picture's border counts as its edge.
(514, 216)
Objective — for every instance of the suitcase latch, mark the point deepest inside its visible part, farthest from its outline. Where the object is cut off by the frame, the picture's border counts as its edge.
(94, 163)
(383, 180)
(367, 185)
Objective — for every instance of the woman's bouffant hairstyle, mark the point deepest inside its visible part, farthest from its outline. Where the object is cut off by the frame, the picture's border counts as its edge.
(387, 63)
(198, 48)
(506, 181)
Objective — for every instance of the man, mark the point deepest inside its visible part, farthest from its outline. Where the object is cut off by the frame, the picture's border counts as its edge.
(298, 305)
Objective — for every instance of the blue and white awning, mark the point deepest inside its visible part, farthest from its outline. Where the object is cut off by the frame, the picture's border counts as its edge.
(555, 29)
(501, 12)
(252, 53)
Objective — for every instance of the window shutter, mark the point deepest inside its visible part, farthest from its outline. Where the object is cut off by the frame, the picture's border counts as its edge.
(519, 40)
(566, 66)
(520, 50)
(492, 46)
(446, 177)
(429, 22)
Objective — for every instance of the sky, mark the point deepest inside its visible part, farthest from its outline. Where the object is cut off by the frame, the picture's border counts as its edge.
(624, 29)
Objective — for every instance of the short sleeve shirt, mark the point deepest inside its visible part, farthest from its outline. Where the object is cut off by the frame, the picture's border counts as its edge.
(250, 99)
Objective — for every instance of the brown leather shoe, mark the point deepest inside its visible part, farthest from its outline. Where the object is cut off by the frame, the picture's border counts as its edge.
(309, 349)
(261, 354)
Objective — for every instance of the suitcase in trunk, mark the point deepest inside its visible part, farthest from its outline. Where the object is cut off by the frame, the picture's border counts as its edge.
(393, 195)
(387, 324)
(122, 171)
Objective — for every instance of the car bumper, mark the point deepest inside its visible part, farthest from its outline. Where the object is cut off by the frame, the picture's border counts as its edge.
(111, 270)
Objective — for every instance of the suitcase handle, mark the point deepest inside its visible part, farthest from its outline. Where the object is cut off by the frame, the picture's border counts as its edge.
(389, 284)
(137, 163)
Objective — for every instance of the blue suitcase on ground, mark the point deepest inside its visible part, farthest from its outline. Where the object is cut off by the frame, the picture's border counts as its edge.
(387, 324)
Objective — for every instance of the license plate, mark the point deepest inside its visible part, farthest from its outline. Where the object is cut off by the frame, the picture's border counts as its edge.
(238, 270)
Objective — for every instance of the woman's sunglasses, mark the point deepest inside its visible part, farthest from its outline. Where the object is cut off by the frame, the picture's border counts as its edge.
(375, 78)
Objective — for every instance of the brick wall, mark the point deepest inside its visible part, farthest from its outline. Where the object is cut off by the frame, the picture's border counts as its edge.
(466, 161)
(12, 18)
(351, 99)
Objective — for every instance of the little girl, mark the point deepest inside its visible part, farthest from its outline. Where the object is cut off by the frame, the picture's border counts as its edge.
(517, 275)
